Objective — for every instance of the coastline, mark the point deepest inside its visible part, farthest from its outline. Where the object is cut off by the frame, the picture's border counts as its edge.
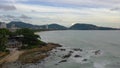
(36, 54)
(29, 56)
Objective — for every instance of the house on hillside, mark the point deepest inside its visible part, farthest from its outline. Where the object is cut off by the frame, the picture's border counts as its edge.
(14, 42)
(3, 25)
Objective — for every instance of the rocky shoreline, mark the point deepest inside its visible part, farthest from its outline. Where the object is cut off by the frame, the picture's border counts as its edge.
(32, 55)
(50, 52)
(37, 54)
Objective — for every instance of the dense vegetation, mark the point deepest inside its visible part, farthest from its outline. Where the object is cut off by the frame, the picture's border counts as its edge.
(28, 38)
(4, 33)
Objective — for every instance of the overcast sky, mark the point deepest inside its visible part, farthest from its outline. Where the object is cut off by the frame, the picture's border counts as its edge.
(64, 12)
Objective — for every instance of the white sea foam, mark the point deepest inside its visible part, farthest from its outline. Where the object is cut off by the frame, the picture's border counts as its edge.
(100, 64)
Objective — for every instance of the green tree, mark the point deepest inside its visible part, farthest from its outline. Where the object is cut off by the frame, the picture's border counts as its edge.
(29, 37)
(4, 33)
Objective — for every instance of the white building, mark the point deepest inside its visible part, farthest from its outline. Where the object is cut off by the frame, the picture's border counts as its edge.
(13, 28)
(47, 26)
(3, 25)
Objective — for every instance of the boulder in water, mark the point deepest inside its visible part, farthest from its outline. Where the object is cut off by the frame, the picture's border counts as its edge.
(63, 61)
(77, 49)
(66, 56)
(77, 56)
(97, 52)
(62, 49)
(85, 59)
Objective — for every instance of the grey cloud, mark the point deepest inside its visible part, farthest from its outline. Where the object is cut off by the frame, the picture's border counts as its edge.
(24, 17)
(7, 7)
(15, 18)
(82, 3)
(115, 9)
(8, 16)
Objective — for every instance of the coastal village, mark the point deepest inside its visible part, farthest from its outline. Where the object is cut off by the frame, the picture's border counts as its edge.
(16, 43)
(13, 42)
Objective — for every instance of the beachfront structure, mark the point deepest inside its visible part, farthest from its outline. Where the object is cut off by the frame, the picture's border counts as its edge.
(3, 25)
(14, 42)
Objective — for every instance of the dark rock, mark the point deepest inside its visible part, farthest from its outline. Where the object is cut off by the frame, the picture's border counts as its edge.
(70, 52)
(55, 51)
(62, 49)
(77, 49)
(63, 61)
(85, 59)
(58, 45)
(77, 56)
(66, 56)
(56, 64)
(97, 52)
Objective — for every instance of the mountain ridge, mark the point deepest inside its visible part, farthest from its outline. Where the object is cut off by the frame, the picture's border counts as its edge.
(79, 26)
(20, 24)
(54, 26)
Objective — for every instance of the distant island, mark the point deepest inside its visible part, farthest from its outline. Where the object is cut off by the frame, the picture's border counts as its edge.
(77, 26)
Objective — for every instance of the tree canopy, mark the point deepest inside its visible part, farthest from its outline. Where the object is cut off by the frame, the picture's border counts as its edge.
(29, 37)
(4, 33)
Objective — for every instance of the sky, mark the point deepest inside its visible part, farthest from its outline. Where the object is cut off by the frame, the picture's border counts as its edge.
(63, 12)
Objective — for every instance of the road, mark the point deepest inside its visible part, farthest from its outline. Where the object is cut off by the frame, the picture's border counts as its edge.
(13, 56)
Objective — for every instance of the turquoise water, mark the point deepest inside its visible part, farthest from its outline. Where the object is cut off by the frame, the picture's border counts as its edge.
(108, 42)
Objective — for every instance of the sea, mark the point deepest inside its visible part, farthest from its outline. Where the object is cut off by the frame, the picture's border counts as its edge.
(106, 41)
(80, 49)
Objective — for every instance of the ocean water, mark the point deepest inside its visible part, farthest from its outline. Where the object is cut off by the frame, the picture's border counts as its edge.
(107, 42)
